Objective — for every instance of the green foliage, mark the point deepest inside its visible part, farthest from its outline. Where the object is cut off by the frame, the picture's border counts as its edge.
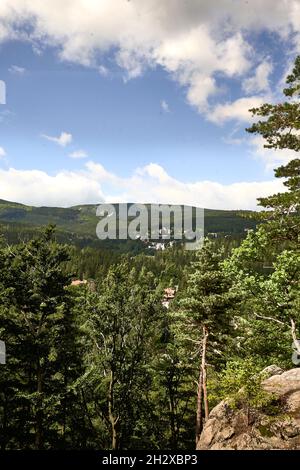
(280, 129)
(122, 332)
(38, 325)
(240, 384)
(77, 226)
(208, 300)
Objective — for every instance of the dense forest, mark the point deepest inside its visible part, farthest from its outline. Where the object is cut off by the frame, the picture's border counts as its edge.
(77, 225)
(105, 365)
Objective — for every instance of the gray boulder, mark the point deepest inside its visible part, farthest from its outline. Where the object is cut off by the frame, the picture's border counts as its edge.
(241, 428)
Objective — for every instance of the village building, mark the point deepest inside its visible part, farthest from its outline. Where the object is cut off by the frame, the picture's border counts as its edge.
(169, 295)
(78, 282)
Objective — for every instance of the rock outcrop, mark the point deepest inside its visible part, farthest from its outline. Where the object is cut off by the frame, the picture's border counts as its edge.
(243, 429)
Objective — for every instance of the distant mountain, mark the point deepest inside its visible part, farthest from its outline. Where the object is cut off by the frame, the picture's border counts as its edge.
(77, 225)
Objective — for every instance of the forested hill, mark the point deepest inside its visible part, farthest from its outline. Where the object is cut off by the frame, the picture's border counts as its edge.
(77, 225)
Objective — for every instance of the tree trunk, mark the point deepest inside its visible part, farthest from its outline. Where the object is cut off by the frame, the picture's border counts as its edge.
(199, 406)
(4, 425)
(172, 409)
(112, 419)
(204, 347)
(39, 418)
(202, 389)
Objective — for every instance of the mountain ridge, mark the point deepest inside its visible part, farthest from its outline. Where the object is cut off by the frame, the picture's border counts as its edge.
(77, 224)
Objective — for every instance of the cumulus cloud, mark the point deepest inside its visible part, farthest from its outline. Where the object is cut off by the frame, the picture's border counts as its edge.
(164, 106)
(194, 58)
(2, 152)
(236, 110)
(151, 183)
(197, 43)
(63, 140)
(260, 81)
(103, 70)
(36, 187)
(77, 154)
(271, 158)
(17, 70)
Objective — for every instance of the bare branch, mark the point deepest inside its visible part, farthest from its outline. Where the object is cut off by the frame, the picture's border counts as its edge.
(269, 319)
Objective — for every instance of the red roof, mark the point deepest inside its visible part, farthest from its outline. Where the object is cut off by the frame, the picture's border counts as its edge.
(78, 282)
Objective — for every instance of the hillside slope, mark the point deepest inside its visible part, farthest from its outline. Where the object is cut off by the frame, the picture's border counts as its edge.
(78, 224)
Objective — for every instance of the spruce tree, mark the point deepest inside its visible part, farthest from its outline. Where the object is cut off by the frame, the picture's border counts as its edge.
(280, 129)
(38, 326)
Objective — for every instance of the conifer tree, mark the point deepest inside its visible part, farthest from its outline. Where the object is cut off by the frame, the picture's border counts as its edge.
(271, 297)
(206, 318)
(279, 127)
(38, 326)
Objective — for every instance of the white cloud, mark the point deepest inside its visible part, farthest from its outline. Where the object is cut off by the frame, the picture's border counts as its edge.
(2, 152)
(164, 106)
(103, 70)
(63, 140)
(237, 110)
(38, 188)
(260, 81)
(197, 43)
(17, 70)
(232, 139)
(152, 184)
(270, 157)
(77, 154)
(194, 57)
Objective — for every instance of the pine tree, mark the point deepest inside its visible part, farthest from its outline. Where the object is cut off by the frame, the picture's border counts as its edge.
(205, 318)
(280, 129)
(270, 298)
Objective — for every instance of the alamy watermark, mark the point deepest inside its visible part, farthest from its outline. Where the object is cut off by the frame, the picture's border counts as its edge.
(2, 92)
(153, 223)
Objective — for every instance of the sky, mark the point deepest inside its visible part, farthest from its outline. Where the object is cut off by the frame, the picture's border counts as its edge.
(141, 100)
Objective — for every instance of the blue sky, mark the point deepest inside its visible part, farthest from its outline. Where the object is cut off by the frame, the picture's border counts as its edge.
(152, 112)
